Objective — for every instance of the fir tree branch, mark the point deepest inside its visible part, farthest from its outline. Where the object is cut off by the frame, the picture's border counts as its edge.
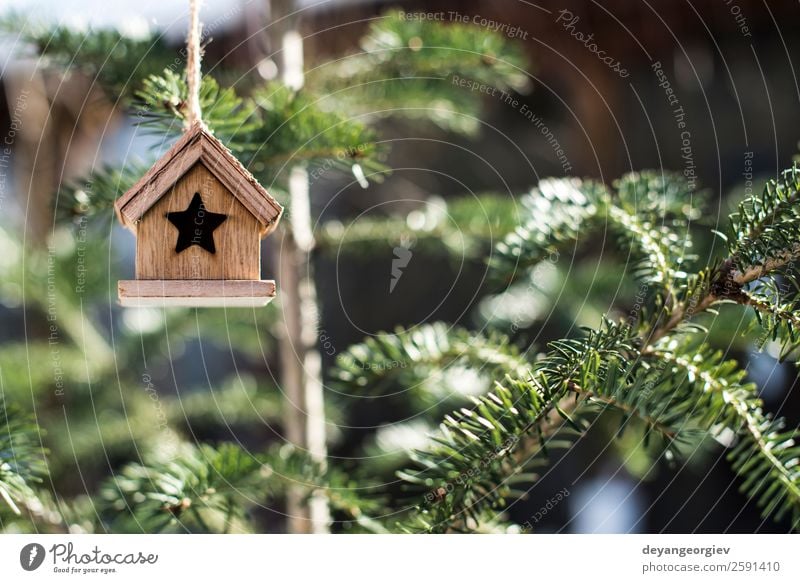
(476, 447)
(556, 212)
(765, 229)
(645, 213)
(628, 410)
(419, 360)
(652, 212)
(460, 227)
(162, 102)
(675, 398)
(116, 61)
(92, 198)
(778, 318)
(779, 313)
(780, 260)
(212, 489)
(21, 459)
(191, 492)
(411, 69)
(267, 131)
(764, 450)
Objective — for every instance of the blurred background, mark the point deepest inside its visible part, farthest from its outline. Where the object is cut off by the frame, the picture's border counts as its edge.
(702, 87)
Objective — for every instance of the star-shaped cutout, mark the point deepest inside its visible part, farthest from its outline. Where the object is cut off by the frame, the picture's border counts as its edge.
(196, 225)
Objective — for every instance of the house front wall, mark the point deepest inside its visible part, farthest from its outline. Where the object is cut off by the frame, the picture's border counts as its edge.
(237, 239)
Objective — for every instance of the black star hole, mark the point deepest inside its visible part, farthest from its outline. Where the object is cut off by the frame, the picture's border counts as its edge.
(196, 225)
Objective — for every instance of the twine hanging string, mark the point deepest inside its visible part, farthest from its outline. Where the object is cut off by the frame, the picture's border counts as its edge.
(193, 113)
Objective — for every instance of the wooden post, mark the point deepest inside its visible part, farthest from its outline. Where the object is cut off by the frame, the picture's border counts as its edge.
(301, 363)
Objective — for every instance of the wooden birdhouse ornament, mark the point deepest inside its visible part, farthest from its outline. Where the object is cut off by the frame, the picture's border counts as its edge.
(199, 217)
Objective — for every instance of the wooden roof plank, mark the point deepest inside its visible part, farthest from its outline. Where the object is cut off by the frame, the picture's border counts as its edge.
(198, 145)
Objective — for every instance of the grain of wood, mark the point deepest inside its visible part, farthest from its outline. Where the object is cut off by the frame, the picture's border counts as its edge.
(237, 239)
(238, 180)
(198, 145)
(195, 293)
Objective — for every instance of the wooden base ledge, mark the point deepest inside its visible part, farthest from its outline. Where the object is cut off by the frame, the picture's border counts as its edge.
(196, 293)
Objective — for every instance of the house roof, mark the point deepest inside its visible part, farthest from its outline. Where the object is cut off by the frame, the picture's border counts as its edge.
(198, 145)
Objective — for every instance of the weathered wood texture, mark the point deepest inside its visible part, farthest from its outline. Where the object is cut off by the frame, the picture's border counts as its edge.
(196, 293)
(198, 145)
(237, 239)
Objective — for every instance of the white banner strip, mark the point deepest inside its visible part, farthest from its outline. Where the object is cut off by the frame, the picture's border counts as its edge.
(357, 558)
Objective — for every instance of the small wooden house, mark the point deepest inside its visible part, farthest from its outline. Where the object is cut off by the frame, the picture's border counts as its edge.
(199, 217)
